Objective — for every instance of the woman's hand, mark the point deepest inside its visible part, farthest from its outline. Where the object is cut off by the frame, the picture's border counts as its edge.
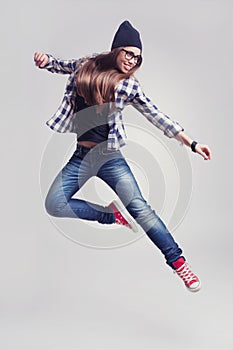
(203, 150)
(41, 59)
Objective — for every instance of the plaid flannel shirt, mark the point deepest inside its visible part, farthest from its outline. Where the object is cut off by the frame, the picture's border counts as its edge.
(128, 92)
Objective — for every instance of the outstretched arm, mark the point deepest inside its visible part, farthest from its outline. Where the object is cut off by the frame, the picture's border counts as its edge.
(171, 129)
(55, 65)
(201, 149)
(145, 106)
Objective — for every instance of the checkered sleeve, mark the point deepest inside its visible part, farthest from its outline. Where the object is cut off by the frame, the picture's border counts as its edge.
(56, 65)
(145, 106)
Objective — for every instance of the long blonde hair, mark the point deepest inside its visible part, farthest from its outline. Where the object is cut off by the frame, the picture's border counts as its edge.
(97, 78)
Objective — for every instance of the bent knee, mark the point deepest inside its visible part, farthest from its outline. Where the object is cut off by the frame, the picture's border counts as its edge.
(50, 207)
(138, 207)
(141, 211)
(54, 205)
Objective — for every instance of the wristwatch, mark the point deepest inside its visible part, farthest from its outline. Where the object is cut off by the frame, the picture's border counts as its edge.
(193, 146)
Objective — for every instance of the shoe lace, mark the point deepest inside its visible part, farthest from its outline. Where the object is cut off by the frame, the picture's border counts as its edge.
(185, 273)
(121, 221)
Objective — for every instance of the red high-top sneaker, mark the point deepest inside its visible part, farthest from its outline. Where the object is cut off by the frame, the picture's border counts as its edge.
(122, 216)
(191, 281)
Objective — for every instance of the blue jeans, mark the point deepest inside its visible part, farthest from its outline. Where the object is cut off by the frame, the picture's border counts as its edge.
(112, 168)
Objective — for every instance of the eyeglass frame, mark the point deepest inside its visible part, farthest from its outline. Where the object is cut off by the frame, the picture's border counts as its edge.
(138, 57)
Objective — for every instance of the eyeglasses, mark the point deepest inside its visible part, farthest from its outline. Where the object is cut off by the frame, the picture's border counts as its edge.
(129, 55)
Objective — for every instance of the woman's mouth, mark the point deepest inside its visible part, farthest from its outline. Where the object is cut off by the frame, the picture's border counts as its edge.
(127, 66)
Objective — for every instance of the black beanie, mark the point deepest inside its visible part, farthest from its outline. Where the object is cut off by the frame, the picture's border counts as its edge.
(126, 35)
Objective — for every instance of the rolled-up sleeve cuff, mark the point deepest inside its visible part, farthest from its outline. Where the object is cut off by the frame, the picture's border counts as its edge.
(50, 62)
(173, 129)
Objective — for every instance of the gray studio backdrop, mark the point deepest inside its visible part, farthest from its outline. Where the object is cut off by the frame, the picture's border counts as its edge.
(67, 284)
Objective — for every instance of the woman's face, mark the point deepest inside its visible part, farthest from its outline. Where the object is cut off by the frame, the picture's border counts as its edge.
(128, 58)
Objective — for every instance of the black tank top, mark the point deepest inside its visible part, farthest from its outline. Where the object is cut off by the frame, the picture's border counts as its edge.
(91, 123)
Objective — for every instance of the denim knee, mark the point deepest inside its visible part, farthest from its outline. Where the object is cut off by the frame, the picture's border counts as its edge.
(141, 211)
(54, 205)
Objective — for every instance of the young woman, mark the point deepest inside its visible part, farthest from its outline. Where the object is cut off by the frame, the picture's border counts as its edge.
(98, 89)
